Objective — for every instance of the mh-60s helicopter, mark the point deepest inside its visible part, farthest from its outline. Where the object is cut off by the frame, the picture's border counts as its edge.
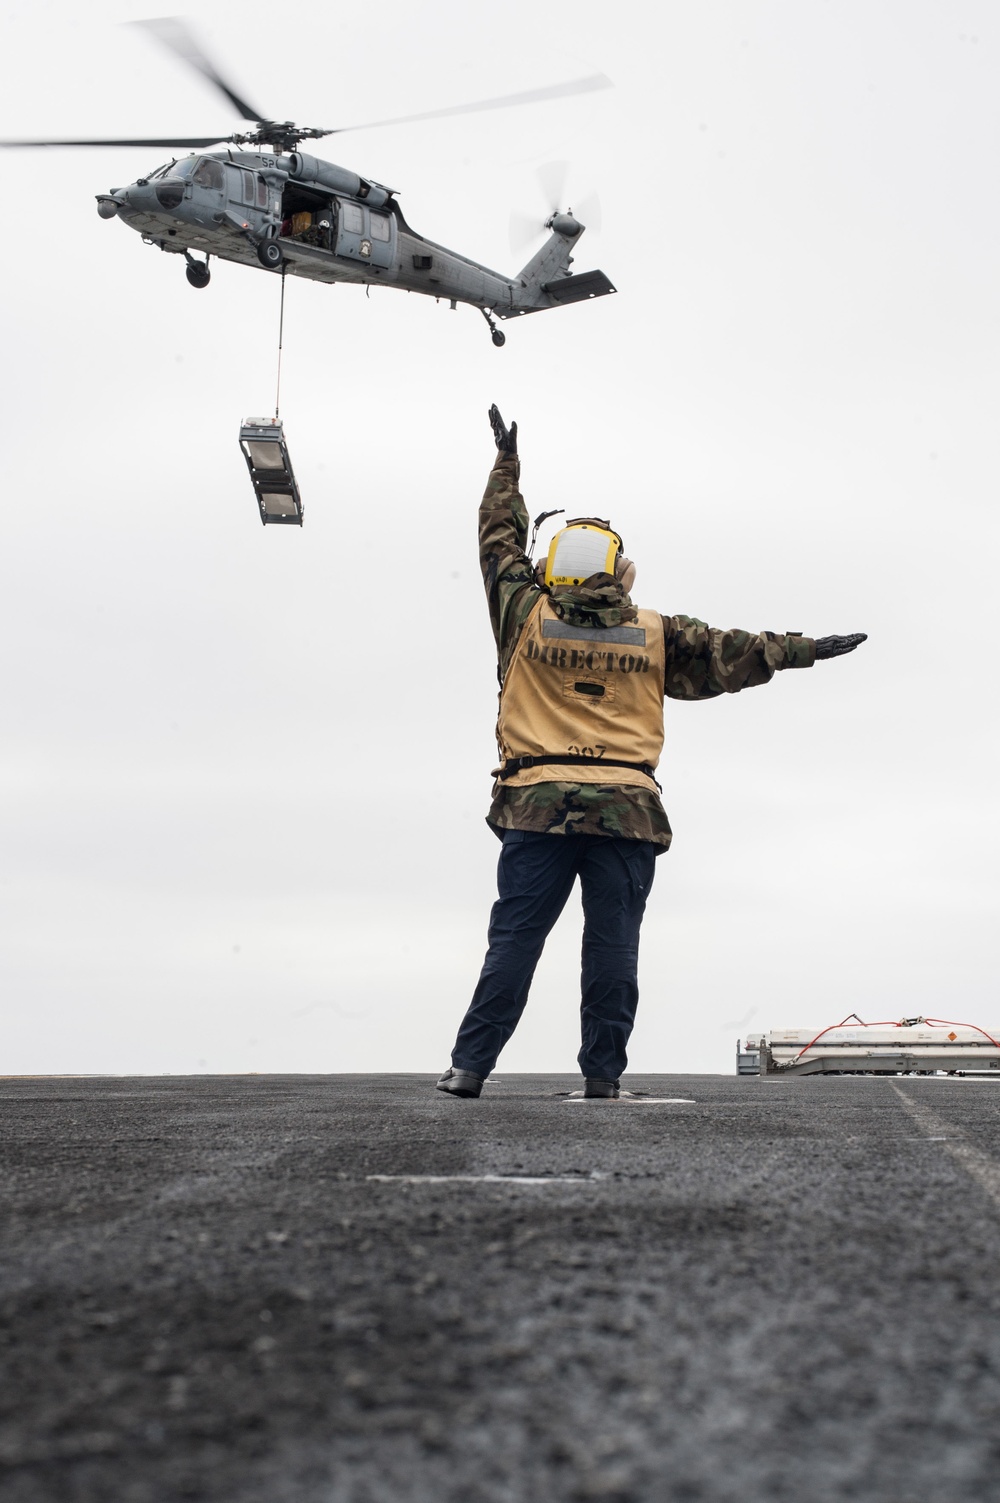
(291, 212)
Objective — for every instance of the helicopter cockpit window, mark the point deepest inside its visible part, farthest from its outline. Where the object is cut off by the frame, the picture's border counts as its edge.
(249, 188)
(261, 192)
(380, 226)
(208, 173)
(353, 219)
(183, 167)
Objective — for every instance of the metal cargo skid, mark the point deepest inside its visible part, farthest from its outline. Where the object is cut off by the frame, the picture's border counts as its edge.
(921, 1046)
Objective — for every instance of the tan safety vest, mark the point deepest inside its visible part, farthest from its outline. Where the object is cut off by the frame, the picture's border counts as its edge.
(593, 692)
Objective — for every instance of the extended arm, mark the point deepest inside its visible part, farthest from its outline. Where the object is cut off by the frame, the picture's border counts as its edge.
(503, 534)
(702, 662)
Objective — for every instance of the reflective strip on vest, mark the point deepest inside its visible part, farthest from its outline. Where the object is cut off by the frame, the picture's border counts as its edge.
(588, 691)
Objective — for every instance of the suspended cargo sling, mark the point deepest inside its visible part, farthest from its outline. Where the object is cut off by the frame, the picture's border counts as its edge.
(266, 453)
(921, 1046)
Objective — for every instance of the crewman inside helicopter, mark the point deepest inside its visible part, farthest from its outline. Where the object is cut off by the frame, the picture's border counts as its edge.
(313, 225)
(208, 174)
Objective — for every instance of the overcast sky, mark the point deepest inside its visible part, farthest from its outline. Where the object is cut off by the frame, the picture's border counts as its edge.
(246, 769)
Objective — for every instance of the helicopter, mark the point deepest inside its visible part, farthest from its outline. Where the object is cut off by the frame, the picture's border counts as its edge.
(283, 210)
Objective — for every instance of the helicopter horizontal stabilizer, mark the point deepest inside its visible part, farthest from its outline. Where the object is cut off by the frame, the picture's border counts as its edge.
(579, 288)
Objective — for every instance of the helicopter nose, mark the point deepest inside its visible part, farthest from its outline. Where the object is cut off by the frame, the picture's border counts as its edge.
(108, 204)
(138, 196)
(169, 192)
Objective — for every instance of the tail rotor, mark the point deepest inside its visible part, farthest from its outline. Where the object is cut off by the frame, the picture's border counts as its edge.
(552, 178)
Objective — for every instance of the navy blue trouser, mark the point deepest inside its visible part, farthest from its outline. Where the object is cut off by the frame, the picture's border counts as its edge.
(534, 878)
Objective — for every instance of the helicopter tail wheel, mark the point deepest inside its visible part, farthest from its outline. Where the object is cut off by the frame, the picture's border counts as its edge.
(499, 338)
(269, 254)
(197, 274)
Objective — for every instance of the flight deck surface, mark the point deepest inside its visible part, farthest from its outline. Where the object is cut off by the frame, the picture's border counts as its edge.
(355, 1289)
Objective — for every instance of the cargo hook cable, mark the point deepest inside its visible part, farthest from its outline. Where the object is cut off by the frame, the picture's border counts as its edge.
(281, 336)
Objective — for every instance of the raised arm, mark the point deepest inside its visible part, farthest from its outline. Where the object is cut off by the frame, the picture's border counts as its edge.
(508, 573)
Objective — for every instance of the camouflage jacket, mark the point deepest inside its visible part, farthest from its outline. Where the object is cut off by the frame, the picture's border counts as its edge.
(701, 663)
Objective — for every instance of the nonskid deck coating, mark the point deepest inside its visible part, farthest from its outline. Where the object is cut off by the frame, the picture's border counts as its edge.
(348, 1289)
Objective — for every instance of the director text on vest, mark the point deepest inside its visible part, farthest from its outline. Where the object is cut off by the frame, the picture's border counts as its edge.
(596, 662)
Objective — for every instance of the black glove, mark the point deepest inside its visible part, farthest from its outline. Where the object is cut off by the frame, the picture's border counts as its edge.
(835, 647)
(506, 440)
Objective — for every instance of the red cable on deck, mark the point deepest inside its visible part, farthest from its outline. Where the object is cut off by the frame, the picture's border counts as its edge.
(832, 1026)
(947, 1023)
(899, 1023)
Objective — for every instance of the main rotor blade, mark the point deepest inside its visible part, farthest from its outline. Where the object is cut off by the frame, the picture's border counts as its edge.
(191, 141)
(172, 33)
(529, 96)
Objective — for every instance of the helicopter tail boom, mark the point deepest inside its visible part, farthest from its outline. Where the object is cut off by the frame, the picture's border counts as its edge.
(554, 257)
(546, 282)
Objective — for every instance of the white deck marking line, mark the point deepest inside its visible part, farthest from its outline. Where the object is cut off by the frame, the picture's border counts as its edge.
(482, 1179)
(967, 1079)
(984, 1170)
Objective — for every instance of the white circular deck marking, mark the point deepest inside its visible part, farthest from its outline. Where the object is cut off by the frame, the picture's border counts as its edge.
(483, 1179)
(630, 1100)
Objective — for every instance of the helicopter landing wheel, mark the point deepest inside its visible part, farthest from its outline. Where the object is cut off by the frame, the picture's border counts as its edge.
(197, 274)
(498, 338)
(269, 254)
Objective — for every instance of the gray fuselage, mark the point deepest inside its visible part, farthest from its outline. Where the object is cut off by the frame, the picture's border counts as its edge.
(330, 225)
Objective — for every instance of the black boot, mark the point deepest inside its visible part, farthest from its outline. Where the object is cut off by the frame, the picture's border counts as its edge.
(461, 1083)
(610, 1088)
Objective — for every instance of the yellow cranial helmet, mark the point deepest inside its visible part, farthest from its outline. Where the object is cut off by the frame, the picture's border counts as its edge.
(583, 547)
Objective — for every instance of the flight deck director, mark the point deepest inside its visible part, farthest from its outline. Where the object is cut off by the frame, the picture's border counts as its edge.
(583, 675)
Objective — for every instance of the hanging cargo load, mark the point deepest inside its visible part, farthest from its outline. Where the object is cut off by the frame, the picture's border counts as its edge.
(266, 453)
